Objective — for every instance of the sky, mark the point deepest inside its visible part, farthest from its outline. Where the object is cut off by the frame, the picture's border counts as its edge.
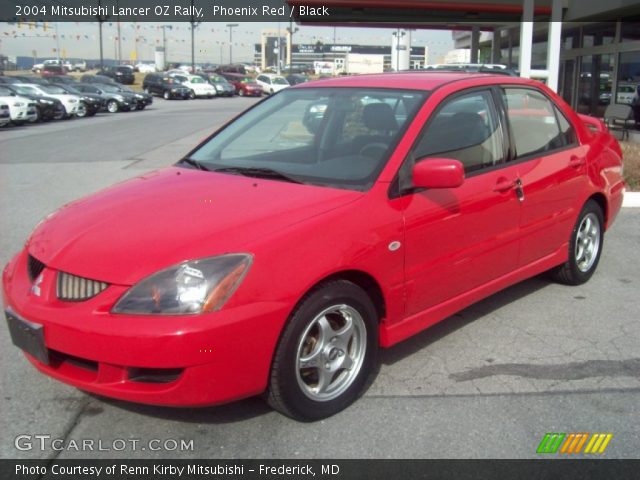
(80, 40)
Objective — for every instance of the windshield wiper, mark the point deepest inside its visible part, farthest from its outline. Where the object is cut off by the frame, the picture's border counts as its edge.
(258, 172)
(194, 163)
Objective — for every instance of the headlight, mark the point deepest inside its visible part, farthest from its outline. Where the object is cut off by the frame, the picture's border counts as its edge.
(119, 97)
(73, 100)
(198, 286)
(46, 102)
(219, 88)
(18, 104)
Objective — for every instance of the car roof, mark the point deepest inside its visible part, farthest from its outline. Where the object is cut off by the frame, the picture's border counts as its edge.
(422, 80)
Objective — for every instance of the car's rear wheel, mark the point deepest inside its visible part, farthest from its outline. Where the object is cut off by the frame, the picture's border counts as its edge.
(585, 247)
(112, 106)
(241, 93)
(327, 353)
(147, 91)
(192, 94)
(166, 95)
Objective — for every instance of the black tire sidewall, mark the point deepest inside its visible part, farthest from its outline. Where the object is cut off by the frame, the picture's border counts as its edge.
(578, 275)
(298, 404)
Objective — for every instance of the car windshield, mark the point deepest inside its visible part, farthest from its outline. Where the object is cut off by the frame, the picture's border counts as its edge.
(279, 81)
(53, 89)
(217, 79)
(340, 137)
(196, 80)
(73, 90)
(5, 92)
(26, 90)
(247, 80)
(110, 88)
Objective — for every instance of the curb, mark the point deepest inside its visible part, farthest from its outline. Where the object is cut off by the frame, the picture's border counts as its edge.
(631, 199)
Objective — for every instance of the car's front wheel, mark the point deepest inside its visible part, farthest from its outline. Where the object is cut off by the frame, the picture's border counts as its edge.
(166, 95)
(82, 110)
(192, 94)
(585, 247)
(112, 106)
(327, 353)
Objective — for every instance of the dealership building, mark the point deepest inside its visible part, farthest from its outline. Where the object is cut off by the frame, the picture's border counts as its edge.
(587, 50)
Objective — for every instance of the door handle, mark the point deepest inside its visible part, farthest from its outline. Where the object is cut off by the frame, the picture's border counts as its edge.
(503, 184)
(576, 161)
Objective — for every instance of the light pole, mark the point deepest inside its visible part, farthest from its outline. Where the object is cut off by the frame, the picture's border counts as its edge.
(291, 31)
(194, 24)
(101, 19)
(230, 27)
(398, 36)
(164, 41)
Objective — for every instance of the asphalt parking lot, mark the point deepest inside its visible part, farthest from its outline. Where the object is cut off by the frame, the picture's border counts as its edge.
(488, 382)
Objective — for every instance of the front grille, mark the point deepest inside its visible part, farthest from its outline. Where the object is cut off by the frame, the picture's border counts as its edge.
(34, 267)
(72, 288)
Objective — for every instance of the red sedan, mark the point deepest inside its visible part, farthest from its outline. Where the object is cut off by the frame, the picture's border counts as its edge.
(332, 219)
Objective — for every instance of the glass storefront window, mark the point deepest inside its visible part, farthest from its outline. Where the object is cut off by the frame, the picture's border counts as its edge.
(630, 29)
(594, 85)
(628, 77)
(599, 34)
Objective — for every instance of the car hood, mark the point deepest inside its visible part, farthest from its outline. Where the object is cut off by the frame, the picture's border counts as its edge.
(64, 97)
(131, 230)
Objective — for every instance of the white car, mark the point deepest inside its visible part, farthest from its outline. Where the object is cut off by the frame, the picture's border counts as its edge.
(625, 93)
(272, 83)
(69, 102)
(38, 67)
(21, 109)
(5, 114)
(199, 86)
(146, 67)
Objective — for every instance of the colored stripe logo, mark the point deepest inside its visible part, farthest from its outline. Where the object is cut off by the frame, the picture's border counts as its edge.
(573, 443)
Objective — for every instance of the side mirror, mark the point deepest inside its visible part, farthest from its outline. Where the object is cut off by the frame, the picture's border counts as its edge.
(438, 173)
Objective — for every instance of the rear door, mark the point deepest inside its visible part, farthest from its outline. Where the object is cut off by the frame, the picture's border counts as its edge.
(460, 238)
(551, 167)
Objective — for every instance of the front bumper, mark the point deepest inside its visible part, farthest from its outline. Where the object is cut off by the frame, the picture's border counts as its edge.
(174, 361)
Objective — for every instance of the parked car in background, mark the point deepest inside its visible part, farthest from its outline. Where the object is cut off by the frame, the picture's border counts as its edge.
(114, 98)
(38, 67)
(69, 102)
(5, 114)
(222, 86)
(48, 108)
(52, 71)
(80, 66)
(145, 67)
(90, 103)
(296, 79)
(120, 74)
(245, 86)
(625, 93)
(164, 86)
(21, 109)
(143, 99)
(101, 79)
(232, 68)
(198, 86)
(271, 83)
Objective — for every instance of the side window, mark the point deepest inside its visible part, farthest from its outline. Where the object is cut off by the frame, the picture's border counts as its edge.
(534, 122)
(566, 129)
(466, 128)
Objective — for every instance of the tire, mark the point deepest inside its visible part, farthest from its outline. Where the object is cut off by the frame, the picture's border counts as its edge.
(38, 117)
(18, 123)
(585, 247)
(112, 106)
(192, 95)
(166, 95)
(82, 110)
(147, 91)
(241, 93)
(313, 331)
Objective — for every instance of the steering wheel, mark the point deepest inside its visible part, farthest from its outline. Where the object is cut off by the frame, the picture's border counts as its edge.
(372, 147)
